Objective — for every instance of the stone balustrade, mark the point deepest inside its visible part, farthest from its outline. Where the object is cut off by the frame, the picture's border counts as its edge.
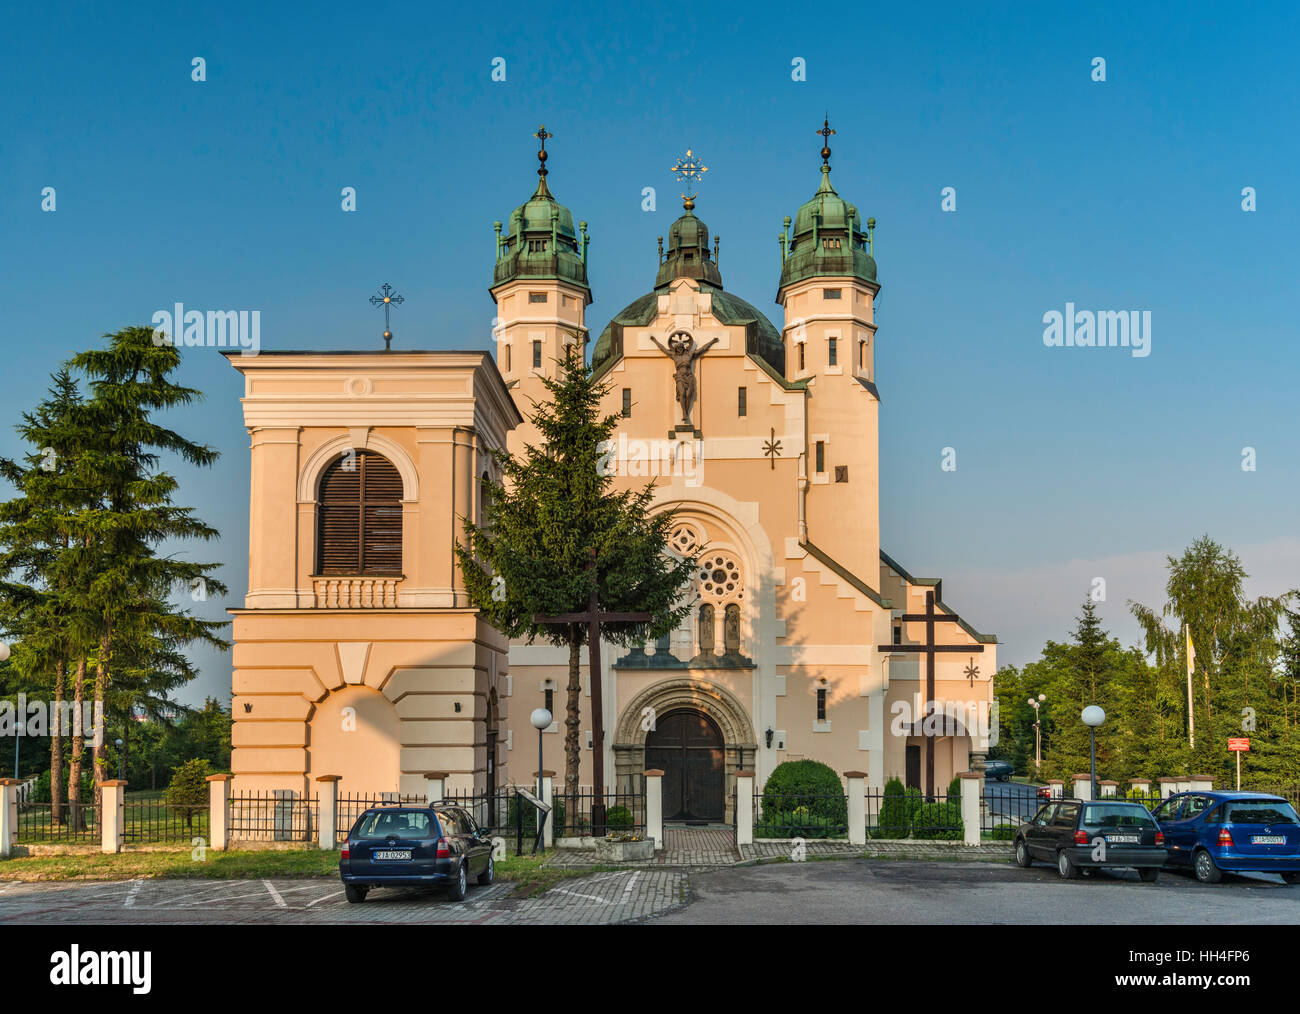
(356, 592)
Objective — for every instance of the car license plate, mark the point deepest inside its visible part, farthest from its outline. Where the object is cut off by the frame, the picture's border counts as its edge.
(1267, 839)
(389, 856)
(1123, 839)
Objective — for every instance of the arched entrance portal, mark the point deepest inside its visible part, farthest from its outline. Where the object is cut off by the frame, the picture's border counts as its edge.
(687, 745)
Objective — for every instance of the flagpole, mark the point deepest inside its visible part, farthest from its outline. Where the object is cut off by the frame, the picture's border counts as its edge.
(1191, 664)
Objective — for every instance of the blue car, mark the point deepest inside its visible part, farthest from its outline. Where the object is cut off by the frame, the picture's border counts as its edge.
(415, 846)
(1212, 833)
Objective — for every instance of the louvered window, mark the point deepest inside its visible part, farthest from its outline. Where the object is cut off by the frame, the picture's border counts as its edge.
(359, 517)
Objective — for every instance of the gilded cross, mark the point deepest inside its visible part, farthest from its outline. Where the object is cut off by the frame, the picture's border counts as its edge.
(387, 298)
(826, 133)
(689, 169)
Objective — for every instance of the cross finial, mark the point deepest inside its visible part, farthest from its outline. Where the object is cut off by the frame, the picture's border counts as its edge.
(826, 133)
(542, 135)
(688, 169)
(387, 298)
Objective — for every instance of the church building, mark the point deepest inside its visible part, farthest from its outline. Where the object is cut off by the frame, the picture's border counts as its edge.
(357, 653)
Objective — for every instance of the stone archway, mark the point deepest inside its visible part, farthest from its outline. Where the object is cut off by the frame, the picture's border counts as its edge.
(716, 703)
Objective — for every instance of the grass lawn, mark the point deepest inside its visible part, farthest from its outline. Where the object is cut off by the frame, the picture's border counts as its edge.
(525, 871)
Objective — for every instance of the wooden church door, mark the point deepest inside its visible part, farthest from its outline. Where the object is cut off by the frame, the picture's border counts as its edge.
(687, 747)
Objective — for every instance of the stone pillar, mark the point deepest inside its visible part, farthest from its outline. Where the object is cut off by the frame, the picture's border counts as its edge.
(654, 806)
(1108, 789)
(1140, 785)
(112, 814)
(744, 808)
(1168, 786)
(1083, 787)
(219, 812)
(1056, 787)
(1200, 783)
(435, 784)
(327, 799)
(972, 784)
(8, 815)
(548, 797)
(857, 807)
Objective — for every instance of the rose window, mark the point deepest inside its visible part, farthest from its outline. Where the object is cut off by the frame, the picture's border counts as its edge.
(684, 541)
(720, 578)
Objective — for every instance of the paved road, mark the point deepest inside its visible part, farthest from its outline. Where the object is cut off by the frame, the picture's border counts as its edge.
(601, 898)
(909, 892)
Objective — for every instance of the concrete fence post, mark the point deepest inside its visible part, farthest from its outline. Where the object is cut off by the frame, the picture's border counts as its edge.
(857, 807)
(1108, 788)
(8, 816)
(1200, 783)
(435, 784)
(654, 806)
(1142, 786)
(744, 808)
(1056, 787)
(972, 788)
(112, 814)
(327, 801)
(548, 797)
(1168, 786)
(219, 812)
(1083, 787)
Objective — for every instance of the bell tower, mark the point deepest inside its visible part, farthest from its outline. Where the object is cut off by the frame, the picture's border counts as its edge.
(828, 286)
(540, 288)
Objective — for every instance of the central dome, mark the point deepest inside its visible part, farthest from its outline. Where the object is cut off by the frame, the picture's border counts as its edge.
(688, 253)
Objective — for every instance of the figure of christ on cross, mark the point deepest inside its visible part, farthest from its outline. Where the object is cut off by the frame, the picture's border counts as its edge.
(682, 351)
(592, 617)
(929, 648)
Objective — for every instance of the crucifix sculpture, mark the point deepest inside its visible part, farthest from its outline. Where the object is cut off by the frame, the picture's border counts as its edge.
(930, 649)
(682, 351)
(593, 618)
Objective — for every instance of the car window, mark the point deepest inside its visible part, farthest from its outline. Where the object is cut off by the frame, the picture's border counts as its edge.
(1260, 811)
(1067, 815)
(394, 824)
(451, 822)
(1168, 810)
(1116, 815)
(467, 821)
(1044, 816)
(1195, 806)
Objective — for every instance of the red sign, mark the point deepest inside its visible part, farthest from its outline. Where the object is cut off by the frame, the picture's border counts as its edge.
(1241, 745)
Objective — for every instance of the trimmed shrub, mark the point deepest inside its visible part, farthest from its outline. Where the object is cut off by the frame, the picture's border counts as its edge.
(914, 801)
(938, 822)
(796, 823)
(618, 818)
(1004, 832)
(806, 783)
(894, 818)
(954, 790)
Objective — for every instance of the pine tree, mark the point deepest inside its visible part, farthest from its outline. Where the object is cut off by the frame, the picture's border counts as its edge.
(556, 524)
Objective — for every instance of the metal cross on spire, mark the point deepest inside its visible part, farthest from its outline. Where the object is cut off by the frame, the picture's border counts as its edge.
(387, 298)
(542, 134)
(826, 133)
(689, 168)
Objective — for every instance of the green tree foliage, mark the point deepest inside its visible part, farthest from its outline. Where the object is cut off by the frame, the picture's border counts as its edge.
(556, 526)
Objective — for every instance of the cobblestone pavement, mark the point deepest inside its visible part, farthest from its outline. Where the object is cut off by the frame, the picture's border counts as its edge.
(602, 898)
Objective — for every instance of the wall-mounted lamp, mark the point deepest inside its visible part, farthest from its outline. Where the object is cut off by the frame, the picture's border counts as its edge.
(769, 734)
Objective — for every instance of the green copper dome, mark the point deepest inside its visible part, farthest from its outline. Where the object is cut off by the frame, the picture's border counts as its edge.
(828, 239)
(688, 253)
(540, 242)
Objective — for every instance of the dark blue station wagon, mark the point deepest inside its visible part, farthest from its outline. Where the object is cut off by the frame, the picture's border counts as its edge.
(415, 846)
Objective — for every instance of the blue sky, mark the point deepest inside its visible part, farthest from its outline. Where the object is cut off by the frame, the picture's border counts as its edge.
(1117, 195)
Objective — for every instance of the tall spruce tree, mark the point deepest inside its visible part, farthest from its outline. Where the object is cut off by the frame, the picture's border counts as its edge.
(556, 512)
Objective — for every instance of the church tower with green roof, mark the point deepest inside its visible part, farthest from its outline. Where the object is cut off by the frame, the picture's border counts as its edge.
(827, 289)
(540, 288)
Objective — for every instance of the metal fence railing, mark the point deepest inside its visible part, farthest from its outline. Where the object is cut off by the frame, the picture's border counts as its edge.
(625, 809)
(911, 814)
(70, 823)
(155, 821)
(801, 815)
(276, 815)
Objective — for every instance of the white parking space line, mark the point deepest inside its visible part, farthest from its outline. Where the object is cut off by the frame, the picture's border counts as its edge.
(279, 901)
(131, 894)
(631, 883)
(332, 894)
(575, 894)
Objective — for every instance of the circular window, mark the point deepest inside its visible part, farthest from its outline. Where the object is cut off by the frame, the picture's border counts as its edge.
(720, 577)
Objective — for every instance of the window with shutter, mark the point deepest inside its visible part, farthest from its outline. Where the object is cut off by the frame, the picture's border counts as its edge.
(359, 517)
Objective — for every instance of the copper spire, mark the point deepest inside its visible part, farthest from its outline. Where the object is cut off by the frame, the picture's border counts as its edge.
(542, 135)
(826, 133)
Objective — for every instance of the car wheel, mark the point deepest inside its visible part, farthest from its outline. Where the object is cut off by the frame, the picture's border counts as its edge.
(459, 886)
(1065, 867)
(1206, 871)
(1023, 858)
(1149, 874)
(488, 875)
(1291, 878)
(356, 895)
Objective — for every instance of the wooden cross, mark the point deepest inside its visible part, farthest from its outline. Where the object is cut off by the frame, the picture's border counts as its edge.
(930, 649)
(593, 618)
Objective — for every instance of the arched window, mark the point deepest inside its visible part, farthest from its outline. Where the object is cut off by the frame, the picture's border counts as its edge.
(359, 516)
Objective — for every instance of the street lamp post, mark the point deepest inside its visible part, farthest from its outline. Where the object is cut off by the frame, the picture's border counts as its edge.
(1093, 717)
(118, 744)
(1038, 732)
(541, 721)
(21, 730)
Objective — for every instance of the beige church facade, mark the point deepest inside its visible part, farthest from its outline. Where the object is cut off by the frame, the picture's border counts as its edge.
(357, 653)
